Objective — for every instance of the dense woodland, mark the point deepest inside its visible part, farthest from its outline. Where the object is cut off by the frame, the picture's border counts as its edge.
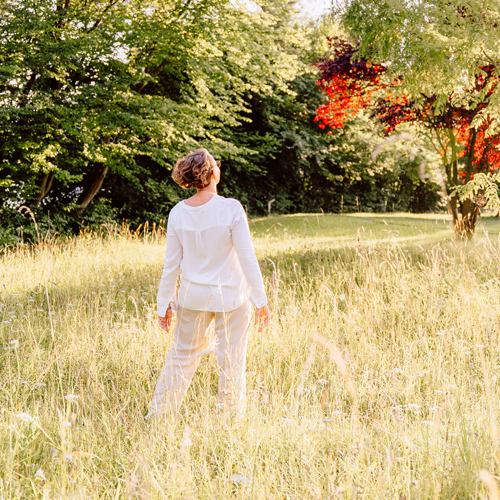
(99, 99)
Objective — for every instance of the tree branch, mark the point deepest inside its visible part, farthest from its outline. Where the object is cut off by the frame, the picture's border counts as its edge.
(98, 22)
(470, 155)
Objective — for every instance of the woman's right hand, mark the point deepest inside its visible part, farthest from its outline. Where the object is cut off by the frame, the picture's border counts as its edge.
(262, 317)
(167, 320)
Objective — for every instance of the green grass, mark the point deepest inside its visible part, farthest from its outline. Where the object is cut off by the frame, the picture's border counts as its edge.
(377, 379)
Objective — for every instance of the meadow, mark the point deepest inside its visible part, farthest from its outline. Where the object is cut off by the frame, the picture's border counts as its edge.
(378, 377)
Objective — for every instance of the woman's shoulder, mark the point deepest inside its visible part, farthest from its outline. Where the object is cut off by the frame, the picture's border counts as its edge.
(175, 208)
(232, 203)
(174, 211)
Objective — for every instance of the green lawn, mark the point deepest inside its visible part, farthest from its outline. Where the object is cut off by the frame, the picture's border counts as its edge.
(337, 231)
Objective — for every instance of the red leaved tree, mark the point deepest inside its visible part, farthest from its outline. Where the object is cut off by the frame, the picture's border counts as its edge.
(352, 83)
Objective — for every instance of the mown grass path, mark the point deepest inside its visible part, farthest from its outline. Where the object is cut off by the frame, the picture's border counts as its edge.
(377, 379)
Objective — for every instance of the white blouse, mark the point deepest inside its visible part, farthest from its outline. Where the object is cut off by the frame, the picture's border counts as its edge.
(212, 247)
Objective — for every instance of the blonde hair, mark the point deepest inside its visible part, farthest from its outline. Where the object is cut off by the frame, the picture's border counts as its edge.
(194, 170)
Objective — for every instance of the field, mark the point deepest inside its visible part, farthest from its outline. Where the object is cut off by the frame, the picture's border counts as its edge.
(378, 377)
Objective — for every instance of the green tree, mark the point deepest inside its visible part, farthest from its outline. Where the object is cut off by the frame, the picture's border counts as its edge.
(91, 90)
(305, 169)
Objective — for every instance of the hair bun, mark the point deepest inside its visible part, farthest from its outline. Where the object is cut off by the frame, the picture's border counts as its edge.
(194, 170)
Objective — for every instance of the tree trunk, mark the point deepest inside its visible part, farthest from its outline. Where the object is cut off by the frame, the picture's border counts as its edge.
(94, 188)
(454, 213)
(45, 186)
(469, 209)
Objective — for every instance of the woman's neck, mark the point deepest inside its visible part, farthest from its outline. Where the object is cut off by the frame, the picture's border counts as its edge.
(211, 188)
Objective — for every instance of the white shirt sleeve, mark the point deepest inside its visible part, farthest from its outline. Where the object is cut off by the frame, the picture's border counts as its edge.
(242, 242)
(168, 282)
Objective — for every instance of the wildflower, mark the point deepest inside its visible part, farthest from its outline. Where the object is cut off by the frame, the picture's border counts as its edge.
(237, 478)
(14, 344)
(341, 297)
(186, 438)
(40, 475)
(25, 417)
(70, 396)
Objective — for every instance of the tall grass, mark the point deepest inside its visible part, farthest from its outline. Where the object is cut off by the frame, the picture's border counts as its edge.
(377, 379)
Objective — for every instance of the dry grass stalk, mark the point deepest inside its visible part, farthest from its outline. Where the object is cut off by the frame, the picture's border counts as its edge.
(492, 423)
(302, 377)
(340, 362)
(490, 483)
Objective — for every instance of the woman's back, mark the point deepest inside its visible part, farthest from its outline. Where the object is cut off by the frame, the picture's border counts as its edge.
(217, 260)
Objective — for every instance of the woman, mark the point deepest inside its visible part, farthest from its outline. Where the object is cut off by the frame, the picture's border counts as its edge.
(208, 239)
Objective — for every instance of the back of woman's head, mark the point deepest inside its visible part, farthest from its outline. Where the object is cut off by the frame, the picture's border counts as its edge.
(194, 170)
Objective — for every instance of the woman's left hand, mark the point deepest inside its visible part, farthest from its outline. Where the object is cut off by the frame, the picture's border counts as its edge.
(262, 317)
(167, 320)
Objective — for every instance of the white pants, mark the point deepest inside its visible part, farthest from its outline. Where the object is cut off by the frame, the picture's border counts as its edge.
(191, 339)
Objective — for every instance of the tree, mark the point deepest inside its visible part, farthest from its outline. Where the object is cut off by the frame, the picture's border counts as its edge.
(409, 63)
(304, 169)
(117, 90)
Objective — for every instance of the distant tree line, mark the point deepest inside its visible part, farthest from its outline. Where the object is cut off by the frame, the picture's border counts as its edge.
(98, 99)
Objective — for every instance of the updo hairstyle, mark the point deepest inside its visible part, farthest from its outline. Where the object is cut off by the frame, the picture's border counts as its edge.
(194, 170)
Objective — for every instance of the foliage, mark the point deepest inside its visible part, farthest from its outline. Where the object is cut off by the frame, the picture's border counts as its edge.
(402, 82)
(109, 96)
(305, 169)
(112, 90)
(483, 190)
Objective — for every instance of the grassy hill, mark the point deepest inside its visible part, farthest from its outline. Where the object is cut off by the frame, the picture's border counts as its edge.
(377, 378)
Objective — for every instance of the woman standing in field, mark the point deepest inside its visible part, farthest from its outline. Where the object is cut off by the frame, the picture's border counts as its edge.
(208, 240)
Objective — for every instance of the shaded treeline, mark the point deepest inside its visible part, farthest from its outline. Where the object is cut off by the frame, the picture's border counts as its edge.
(99, 99)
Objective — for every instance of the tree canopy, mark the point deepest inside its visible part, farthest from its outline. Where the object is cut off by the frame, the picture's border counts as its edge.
(99, 99)
(424, 64)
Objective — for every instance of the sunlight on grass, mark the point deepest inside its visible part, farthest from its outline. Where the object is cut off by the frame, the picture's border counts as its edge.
(377, 378)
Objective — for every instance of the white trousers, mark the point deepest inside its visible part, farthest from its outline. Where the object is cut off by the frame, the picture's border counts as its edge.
(191, 339)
